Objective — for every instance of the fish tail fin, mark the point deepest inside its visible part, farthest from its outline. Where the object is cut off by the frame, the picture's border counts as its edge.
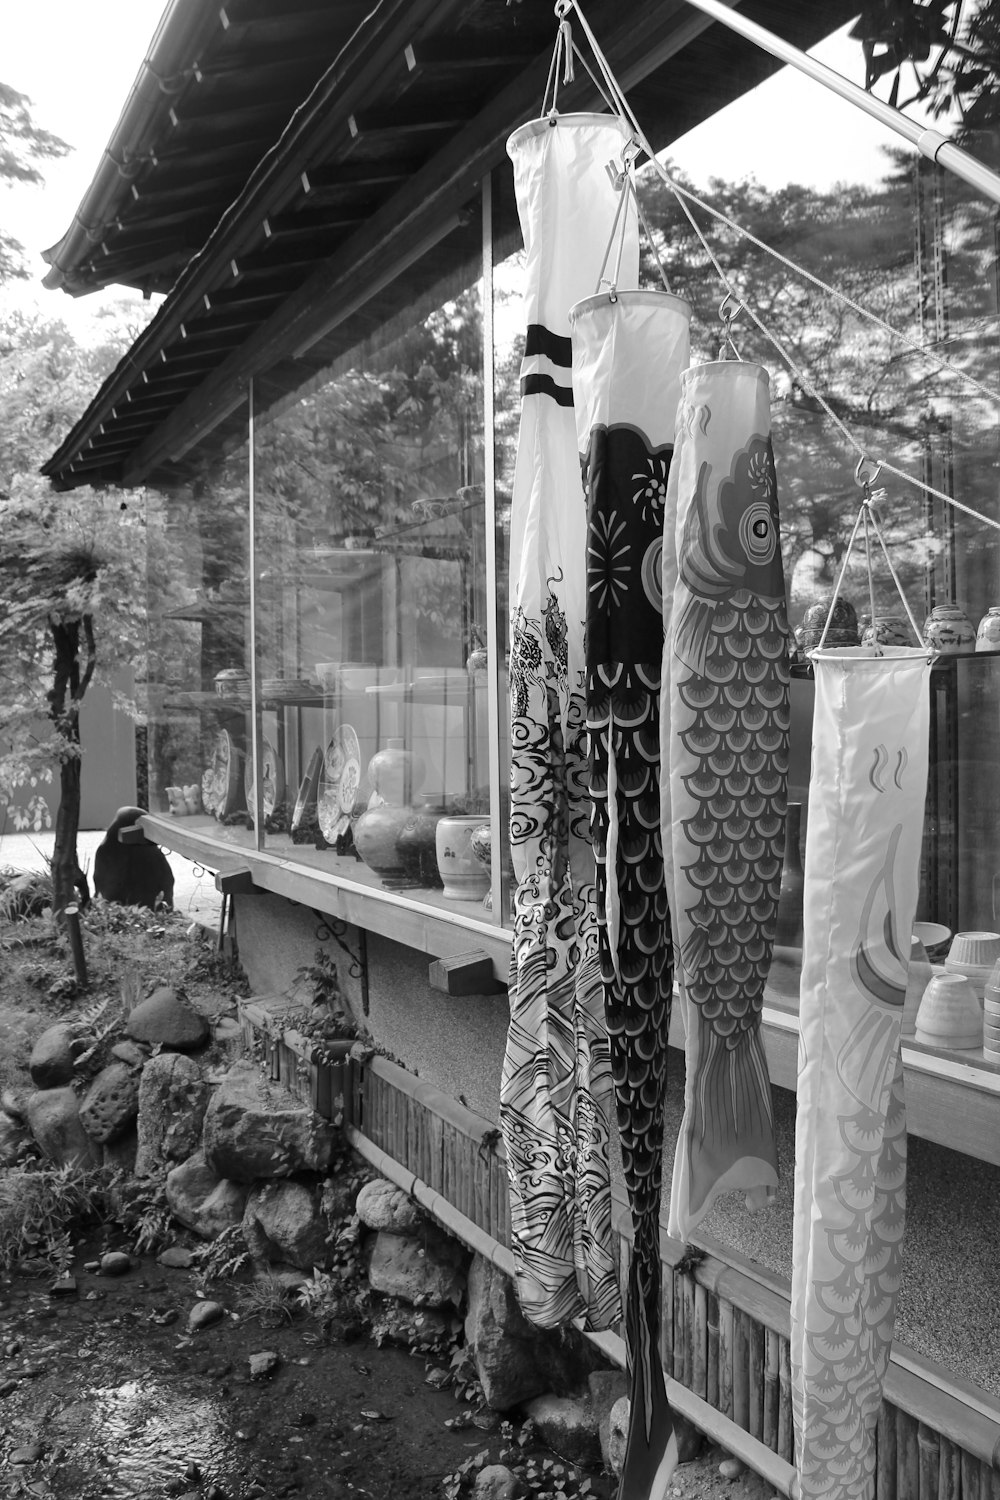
(651, 1446)
(726, 1141)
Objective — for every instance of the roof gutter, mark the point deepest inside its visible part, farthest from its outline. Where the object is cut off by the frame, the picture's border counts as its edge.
(183, 30)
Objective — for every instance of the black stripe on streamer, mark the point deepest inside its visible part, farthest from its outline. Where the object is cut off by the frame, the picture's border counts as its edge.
(539, 340)
(544, 385)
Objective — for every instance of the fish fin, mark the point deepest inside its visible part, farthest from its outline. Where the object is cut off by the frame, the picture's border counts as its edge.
(726, 1141)
(694, 950)
(691, 633)
(651, 1444)
(612, 901)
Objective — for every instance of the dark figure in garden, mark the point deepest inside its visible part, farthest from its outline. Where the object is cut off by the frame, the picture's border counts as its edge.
(132, 874)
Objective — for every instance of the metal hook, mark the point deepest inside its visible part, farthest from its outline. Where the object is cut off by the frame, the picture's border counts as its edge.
(729, 317)
(866, 480)
(562, 9)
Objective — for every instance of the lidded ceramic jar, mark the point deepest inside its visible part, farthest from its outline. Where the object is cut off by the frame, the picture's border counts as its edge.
(888, 630)
(988, 630)
(843, 629)
(948, 628)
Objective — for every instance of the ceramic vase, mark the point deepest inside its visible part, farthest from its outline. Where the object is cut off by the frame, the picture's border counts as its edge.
(949, 1014)
(843, 629)
(396, 773)
(788, 929)
(948, 628)
(481, 844)
(918, 977)
(463, 875)
(888, 630)
(988, 630)
(416, 845)
(376, 834)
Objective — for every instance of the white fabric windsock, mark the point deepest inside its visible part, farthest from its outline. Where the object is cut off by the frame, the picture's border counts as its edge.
(865, 823)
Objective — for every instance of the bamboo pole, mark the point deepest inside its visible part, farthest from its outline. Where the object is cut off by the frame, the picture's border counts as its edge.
(930, 143)
(929, 1456)
(726, 1335)
(885, 1453)
(756, 1377)
(769, 1410)
(907, 1457)
(971, 1477)
(699, 1342)
(786, 1420)
(741, 1360)
(712, 1352)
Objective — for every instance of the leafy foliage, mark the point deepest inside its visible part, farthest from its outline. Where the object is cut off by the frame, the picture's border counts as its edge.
(23, 146)
(39, 1208)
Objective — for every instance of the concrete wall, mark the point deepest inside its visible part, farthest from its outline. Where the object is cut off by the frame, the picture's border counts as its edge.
(455, 1044)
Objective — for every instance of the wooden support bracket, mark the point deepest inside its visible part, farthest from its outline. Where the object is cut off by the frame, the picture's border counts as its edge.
(236, 883)
(134, 834)
(465, 974)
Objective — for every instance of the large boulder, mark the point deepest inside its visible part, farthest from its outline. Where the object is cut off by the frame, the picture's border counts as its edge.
(163, 1019)
(173, 1097)
(283, 1223)
(54, 1121)
(515, 1360)
(257, 1128)
(567, 1425)
(131, 874)
(204, 1201)
(382, 1205)
(428, 1271)
(52, 1057)
(111, 1103)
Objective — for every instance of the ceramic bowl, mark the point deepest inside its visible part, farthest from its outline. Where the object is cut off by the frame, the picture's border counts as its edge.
(931, 934)
(974, 948)
(918, 976)
(949, 1014)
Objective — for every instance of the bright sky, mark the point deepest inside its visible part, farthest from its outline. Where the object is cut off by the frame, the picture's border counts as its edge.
(77, 62)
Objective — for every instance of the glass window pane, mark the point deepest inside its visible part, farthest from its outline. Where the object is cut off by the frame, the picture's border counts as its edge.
(371, 598)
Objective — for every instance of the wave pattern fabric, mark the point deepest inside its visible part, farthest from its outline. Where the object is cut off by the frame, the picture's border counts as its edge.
(866, 806)
(628, 355)
(724, 771)
(555, 1098)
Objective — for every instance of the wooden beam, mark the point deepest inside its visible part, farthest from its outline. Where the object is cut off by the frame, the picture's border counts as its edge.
(340, 177)
(403, 121)
(237, 883)
(314, 222)
(438, 55)
(468, 973)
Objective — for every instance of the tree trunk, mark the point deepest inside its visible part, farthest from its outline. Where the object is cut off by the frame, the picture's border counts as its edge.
(65, 695)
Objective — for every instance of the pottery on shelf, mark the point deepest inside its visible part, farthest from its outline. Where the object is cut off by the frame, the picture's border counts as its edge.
(481, 844)
(376, 834)
(918, 977)
(974, 954)
(988, 630)
(948, 628)
(416, 844)
(949, 1014)
(396, 773)
(888, 630)
(464, 876)
(843, 629)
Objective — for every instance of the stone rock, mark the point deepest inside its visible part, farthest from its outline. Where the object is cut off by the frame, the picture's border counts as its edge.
(382, 1205)
(66, 1286)
(497, 1482)
(263, 1364)
(514, 1360)
(614, 1457)
(54, 1121)
(204, 1314)
(52, 1057)
(257, 1129)
(176, 1257)
(131, 874)
(426, 1272)
(567, 1425)
(731, 1468)
(111, 1103)
(202, 1200)
(130, 1053)
(120, 1154)
(605, 1387)
(13, 1139)
(165, 1020)
(283, 1222)
(173, 1097)
(115, 1263)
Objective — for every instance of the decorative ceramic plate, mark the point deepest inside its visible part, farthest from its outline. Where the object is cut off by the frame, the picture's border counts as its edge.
(341, 785)
(272, 780)
(220, 784)
(305, 802)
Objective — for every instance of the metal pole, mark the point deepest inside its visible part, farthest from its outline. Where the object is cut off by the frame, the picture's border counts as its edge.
(931, 143)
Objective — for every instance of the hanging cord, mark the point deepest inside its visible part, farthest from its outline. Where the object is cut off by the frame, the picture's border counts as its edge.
(562, 60)
(623, 109)
(624, 185)
(866, 473)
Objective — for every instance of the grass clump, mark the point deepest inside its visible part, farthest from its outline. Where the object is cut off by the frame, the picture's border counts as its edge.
(40, 1209)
